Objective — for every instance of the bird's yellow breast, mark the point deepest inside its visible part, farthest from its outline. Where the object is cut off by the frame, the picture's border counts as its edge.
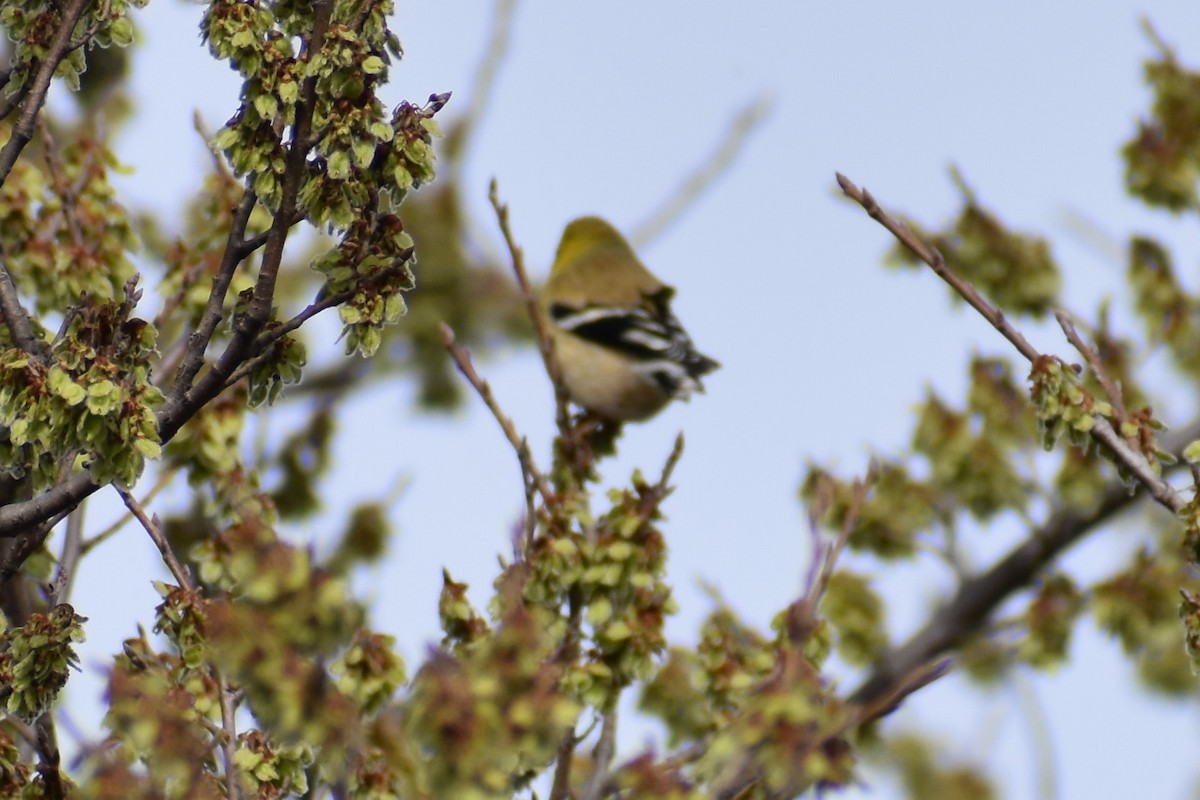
(604, 382)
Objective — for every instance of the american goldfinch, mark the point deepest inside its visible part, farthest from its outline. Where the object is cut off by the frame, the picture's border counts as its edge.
(623, 353)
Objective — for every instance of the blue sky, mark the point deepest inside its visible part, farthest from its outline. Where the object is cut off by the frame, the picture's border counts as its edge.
(605, 108)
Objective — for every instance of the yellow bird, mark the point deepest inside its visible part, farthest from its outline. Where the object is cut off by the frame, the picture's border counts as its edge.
(623, 354)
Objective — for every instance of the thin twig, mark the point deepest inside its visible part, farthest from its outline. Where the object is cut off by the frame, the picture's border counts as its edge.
(261, 348)
(670, 464)
(228, 737)
(20, 327)
(858, 496)
(1112, 390)
(602, 757)
(183, 578)
(749, 774)
(560, 787)
(68, 560)
(915, 679)
(801, 617)
(488, 69)
(526, 458)
(935, 261)
(151, 525)
(62, 187)
(658, 492)
(463, 360)
(49, 761)
(249, 245)
(566, 656)
(545, 345)
(694, 185)
(164, 480)
(1102, 431)
(198, 341)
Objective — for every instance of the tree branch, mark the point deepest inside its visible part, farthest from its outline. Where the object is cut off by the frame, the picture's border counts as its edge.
(977, 598)
(463, 360)
(228, 731)
(187, 400)
(706, 173)
(602, 757)
(545, 345)
(151, 526)
(1111, 389)
(234, 253)
(938, 264)
(22, 132)
(248, 325)
(1102, 431)
(49, 760)
(15, 317)
(10, 98)
(32, 519)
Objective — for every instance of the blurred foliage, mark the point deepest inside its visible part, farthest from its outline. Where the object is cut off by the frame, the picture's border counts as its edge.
(1162, 160)
(262, 677)
(1015, 270)
(925, 775)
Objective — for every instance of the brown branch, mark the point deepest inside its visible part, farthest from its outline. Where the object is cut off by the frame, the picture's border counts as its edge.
(248, 325)
(29, 537)
(1102, 431)
(260, 349)
(523, 545)
(198, 342)
(228, 733)
(801, 618)
(750, 774)
(967, 612)
(151, 526)
(67, 193)
(858, 496)
(31, 106)
(1112, 390)
(651, 500)
(16, 318)
(694, 185)
(567, 654)
(602, 757)
(920, 676)
(487, 70)
(188, 398)
(192, 345)
(228, 736)
(10, 99)
(935, 261)
(248, 246)
(560, 788)
(164, 480)
(978, 597)
(462, 360)
(68, 559)
(49, 761)
(545, 345)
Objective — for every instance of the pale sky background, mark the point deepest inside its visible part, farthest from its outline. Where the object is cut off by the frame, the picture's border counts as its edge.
(604, 108)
